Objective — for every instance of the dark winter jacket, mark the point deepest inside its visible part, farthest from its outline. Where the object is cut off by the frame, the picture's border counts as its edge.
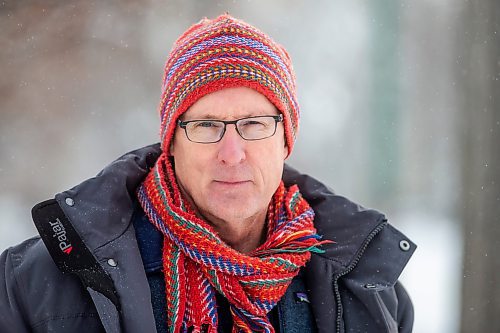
(84, 273)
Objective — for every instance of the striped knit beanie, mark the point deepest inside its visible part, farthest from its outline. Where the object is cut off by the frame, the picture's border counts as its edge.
(222, 53)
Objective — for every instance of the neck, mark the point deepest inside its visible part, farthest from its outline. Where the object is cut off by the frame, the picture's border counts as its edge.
(243, 235)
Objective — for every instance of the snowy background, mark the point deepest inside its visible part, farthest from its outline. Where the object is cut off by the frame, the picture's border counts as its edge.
(377, 85)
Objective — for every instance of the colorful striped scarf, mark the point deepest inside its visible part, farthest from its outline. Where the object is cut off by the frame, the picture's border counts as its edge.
(197, 263)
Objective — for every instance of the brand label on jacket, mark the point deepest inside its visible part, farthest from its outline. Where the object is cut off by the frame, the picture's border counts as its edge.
(60, 234)
(67, 249)
(64, 244)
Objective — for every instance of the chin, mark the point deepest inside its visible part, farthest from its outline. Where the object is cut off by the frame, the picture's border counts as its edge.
(231, 214)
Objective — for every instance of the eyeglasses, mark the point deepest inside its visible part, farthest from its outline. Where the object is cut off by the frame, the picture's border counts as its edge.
(212, 131)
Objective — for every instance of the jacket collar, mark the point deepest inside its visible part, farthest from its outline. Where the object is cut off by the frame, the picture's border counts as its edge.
(337, 218)
(101, 207)
(100, 211)
(106, 203)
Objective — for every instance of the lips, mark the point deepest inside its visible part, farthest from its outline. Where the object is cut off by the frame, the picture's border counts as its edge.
(232, 178)
(231, 182)
(228, 184)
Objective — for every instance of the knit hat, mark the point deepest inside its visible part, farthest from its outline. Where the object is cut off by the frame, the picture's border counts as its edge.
(222, 53)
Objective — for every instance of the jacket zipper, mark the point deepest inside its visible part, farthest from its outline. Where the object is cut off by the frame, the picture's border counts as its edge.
(350, 268)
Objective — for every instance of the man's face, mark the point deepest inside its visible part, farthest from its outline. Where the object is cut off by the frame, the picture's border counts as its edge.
(232, 179)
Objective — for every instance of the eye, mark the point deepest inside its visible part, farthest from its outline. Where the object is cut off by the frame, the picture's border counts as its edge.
(206, 124)
(253, 122)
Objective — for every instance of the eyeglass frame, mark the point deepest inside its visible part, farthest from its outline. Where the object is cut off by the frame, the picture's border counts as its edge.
(277, 119)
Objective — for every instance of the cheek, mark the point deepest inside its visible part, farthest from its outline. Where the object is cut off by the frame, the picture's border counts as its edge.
(183, 161)
(272, 162)
(188, 162)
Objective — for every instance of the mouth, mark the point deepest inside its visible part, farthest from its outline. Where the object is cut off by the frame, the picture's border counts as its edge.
(231, 182)
(230, 189)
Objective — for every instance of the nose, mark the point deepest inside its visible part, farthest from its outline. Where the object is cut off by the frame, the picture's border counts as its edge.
(231, 148)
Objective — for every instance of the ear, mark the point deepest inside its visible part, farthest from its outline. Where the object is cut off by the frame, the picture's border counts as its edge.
(171, 148)
(285, 151)
(171, 145)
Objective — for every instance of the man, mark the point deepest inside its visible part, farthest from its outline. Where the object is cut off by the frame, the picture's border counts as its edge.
(208, 232)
